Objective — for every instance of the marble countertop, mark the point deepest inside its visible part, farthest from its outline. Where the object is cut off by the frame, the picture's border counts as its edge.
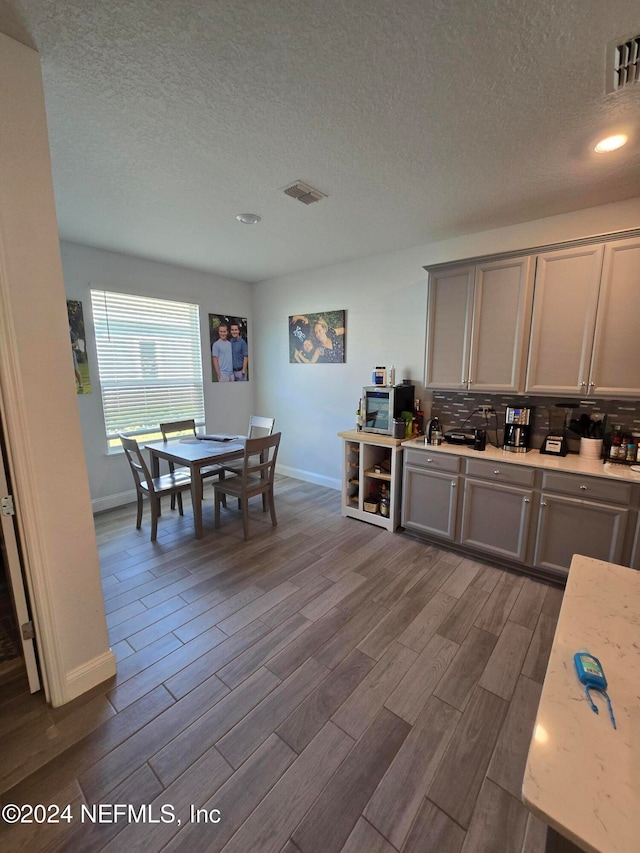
(571, 464)
(582, 775)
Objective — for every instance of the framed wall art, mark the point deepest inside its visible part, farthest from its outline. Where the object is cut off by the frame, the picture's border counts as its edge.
(229, 348)
(78, 346)
(318, 338)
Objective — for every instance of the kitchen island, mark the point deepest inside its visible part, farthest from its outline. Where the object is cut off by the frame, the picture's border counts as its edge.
(583, 776)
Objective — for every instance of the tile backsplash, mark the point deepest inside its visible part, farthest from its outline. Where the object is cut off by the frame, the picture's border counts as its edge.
(456, 409)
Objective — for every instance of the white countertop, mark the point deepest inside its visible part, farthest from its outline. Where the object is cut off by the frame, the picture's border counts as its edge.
(582, 775)
(571, 464)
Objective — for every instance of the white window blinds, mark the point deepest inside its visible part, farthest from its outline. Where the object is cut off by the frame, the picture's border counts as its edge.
(149, 361)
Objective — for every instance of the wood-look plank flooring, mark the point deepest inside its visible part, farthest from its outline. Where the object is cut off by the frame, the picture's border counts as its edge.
(326, 686)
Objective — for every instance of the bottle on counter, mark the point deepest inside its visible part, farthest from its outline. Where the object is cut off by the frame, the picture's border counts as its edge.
(615, 450)
(630, 449)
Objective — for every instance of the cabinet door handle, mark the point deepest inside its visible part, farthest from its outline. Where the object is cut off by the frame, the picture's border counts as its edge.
(429, 459)
(470, 381)
(497, 471)
(584, 488)
(527, 500)
(583, 384)
(543, 503)
(592, 385)
(453, 484)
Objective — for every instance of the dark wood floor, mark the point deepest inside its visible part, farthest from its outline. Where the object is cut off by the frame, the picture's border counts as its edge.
(327, 686)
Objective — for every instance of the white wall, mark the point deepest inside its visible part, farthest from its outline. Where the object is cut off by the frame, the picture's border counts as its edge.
(227, 405)
(385, 300)
(45, 451)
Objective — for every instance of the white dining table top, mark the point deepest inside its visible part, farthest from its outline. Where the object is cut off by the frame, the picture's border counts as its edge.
(193, 450)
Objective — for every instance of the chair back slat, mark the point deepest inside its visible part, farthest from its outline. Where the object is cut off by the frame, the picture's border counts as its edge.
(260, 427)
(173, 427)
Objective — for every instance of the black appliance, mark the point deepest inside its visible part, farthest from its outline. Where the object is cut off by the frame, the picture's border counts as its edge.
(383, 403)
(460, 436)
(480, 439)
(517, 428)
(556, 442)
(433, 432)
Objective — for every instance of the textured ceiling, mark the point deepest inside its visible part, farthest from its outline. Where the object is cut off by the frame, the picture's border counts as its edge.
(420, 120)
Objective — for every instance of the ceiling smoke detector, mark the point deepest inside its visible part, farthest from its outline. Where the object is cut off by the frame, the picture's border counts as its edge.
(623, 63)
(303, 192)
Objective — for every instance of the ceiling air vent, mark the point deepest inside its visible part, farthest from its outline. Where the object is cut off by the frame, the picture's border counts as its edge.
(623, 63)
(304, 193)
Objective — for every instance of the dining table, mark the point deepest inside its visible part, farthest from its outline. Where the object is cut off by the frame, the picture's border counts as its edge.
(194, 454)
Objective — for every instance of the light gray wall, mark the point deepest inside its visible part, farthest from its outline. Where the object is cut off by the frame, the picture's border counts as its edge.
(227, 405)
(385, 300)
(385, 303)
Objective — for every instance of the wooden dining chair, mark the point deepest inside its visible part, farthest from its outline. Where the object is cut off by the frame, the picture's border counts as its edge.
(186, 427)
(259, 427)
(154, 488)
(256, 477)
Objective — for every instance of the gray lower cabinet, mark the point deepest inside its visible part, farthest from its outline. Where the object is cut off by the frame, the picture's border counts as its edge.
(429, 502)
(568, 526)
(496, 519)
(634, 562)
(520, 514)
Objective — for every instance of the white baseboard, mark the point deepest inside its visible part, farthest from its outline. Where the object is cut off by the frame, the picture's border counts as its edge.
(113, 501)
(89, 675)
(309, 477)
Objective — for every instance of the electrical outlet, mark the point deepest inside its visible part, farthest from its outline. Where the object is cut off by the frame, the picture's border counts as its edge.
(486, 410)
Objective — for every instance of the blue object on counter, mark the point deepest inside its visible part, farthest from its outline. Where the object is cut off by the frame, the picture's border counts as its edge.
(591, 674)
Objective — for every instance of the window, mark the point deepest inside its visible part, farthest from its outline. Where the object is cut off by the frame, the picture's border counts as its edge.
(149, 361)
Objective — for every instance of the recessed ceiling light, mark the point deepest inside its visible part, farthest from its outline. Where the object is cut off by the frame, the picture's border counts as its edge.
(248, 218)
(610, 143)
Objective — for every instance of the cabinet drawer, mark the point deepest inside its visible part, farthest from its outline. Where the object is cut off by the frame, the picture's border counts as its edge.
(499, 472)
(433, 461)
(587, 488)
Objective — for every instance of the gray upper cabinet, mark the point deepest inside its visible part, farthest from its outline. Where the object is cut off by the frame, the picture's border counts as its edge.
(563, 323)
(449, 318)
(615, 366)
(477, 325)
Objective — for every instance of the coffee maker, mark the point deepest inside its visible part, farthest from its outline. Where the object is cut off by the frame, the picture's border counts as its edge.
(517, 428)
(433, 432)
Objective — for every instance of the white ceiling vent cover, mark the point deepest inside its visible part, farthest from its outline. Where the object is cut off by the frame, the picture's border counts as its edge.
(623, 63)
(303, 192)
